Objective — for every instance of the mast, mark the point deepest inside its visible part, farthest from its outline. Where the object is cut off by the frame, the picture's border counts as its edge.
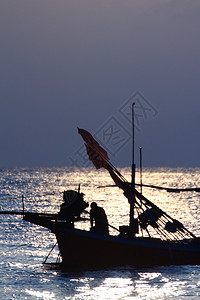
(141, 169)
(133, 169)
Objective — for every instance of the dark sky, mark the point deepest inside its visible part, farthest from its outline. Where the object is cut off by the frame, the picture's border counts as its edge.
(69, 63)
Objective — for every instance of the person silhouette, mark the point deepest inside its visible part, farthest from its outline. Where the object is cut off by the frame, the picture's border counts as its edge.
(98, 219)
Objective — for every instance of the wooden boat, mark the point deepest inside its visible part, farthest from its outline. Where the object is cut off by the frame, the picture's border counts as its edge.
(88, 249)
(152, 237)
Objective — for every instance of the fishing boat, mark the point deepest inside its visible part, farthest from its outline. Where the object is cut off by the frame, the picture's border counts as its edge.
(152, 237)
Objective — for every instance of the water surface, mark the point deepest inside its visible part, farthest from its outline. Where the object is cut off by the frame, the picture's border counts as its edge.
(25, 246)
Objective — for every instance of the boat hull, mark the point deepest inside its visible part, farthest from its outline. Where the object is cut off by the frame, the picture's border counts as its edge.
(80, 248)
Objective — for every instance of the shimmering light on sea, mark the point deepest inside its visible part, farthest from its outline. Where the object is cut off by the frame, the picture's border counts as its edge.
(24, 246)
(43, 295)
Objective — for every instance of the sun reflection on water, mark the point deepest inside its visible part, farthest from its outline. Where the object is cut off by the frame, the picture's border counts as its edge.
(24, 246)
(45, 295)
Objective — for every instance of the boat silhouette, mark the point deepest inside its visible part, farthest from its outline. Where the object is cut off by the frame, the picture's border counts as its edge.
(152, 237)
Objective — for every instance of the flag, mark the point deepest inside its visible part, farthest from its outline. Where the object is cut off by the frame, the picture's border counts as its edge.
(99, 158)
(96, 153)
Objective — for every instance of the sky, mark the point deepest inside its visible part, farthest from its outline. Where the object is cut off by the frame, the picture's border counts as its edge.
(82, 63)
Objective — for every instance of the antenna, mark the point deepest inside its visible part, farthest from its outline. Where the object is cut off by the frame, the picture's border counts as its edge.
(133, 147)
(23, 203)
(131, 222)
(141, 169)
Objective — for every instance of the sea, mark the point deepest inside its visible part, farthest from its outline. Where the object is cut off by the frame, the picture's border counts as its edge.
(24, 246)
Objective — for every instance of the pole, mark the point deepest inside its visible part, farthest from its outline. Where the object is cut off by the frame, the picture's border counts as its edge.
(141, 169)
(49, 253)
(133, 147)
(133, 170)
(23, 203)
